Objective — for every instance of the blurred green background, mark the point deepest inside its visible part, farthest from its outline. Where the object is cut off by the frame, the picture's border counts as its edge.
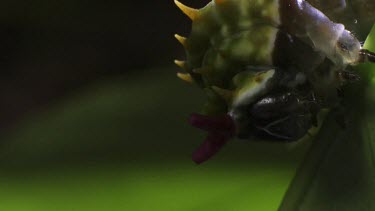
(93, 117)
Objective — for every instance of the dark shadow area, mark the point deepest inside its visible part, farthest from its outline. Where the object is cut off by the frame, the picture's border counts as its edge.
(49, 49)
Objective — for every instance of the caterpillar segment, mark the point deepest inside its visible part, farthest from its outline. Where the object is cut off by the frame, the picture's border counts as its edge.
(216, 52)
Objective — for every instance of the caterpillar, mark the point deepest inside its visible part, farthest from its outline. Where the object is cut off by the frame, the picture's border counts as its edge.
(269, 67)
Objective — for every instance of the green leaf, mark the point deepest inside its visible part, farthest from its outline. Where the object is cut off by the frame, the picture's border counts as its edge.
(338, 172)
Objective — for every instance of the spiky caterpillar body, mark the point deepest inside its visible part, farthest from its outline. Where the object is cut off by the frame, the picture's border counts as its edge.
(225, 37)
(249, 55)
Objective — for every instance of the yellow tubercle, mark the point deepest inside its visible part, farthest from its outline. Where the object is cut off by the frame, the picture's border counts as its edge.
(192, 13)
(181, 64)
(185, 77)
(181, 40)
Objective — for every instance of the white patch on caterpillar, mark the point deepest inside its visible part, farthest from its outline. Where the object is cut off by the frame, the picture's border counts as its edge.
(246, 95)
(299, 2)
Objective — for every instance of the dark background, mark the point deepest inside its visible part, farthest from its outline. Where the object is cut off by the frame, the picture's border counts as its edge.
(92, 82)
(49, 49)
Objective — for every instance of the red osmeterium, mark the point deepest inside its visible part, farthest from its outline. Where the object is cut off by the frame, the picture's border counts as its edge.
(220, 130)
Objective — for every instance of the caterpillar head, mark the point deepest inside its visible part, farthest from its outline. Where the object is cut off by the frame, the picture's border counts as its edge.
(348, 48)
